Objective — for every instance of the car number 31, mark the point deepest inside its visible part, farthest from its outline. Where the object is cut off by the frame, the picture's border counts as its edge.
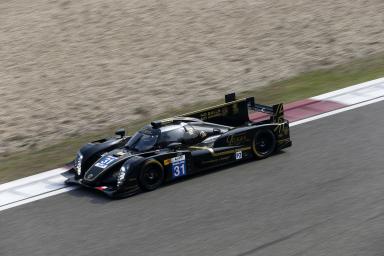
(178, 166)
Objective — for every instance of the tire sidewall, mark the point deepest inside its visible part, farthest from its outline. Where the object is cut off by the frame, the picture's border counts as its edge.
(258, 134)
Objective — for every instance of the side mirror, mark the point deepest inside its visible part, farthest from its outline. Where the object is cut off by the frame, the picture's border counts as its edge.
(174, 145)
(120, 132)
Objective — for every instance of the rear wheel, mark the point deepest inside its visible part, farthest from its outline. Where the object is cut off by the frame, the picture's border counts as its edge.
(151, 175)
(264, 143)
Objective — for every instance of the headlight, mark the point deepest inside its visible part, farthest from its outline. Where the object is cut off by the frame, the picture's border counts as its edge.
(121, 176)
(78, 161)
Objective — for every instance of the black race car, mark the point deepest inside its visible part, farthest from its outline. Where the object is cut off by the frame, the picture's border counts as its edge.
(180, 146)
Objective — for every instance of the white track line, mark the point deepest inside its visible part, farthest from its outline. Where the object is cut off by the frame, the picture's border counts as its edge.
(38, 197)
(33, 178)
(349, 89)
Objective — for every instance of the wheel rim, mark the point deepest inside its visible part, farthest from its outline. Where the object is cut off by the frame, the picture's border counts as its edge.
(152, 176)
(264, 143)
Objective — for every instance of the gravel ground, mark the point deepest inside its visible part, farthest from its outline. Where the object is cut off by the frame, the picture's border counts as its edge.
(68, 67)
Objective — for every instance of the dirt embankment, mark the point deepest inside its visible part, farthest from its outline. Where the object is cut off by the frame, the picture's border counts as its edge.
(72, 66)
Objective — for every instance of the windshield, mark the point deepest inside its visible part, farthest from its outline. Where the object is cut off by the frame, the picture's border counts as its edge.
(148, 138)
(142, 142)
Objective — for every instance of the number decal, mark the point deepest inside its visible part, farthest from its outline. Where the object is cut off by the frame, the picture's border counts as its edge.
(239, 155)
(178, 166)
(105, 161)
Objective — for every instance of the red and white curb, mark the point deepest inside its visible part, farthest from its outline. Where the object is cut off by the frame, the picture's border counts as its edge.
(51, 183)
(331, 101)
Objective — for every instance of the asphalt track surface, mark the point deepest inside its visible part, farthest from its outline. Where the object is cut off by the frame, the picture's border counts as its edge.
(323, 196)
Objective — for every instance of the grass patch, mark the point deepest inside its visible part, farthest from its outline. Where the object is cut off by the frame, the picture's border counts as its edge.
(317, 82)
(299, 87)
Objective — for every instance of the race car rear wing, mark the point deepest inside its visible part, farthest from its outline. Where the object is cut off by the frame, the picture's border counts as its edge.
(236, 112)
(276, 112)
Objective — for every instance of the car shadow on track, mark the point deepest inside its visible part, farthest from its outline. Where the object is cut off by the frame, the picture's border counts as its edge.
(96, 197)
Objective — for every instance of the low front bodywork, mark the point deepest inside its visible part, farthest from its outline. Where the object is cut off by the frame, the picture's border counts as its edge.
(176, 147)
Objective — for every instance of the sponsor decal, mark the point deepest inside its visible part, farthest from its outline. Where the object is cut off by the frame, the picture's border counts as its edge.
(286, 130)
(167, 161)
(178, 166)
(237, 139)
(223, 111)
(235, 109)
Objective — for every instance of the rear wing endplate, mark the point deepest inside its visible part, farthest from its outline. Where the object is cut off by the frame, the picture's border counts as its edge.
(276, 111)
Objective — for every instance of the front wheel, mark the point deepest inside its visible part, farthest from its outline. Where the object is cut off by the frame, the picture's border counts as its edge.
(151, 175)
(264, 143)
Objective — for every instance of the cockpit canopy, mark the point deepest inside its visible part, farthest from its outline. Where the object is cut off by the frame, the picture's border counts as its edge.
(149, 138)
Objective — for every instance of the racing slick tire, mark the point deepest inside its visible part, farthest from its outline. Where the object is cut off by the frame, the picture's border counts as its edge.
(151, 175)
(264, 143)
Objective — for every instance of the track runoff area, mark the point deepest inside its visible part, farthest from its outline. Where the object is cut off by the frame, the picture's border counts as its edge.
(51, 183)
